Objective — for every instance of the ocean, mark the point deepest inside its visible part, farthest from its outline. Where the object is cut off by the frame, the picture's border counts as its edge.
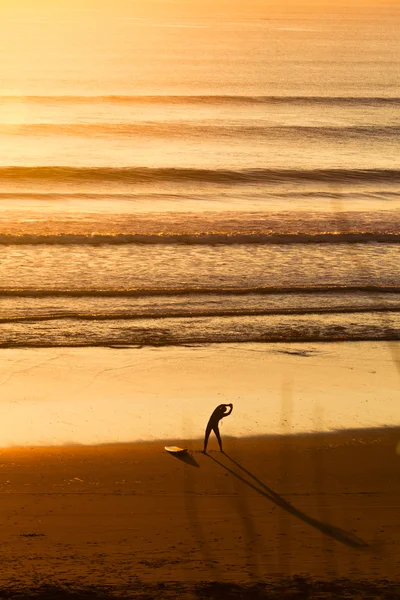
(194, 178)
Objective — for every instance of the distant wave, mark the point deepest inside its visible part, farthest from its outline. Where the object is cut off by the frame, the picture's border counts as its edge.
(207, 99)
(197, 239)
(379, 193)
(183, 129)
(134, 175)
(184, 314)
(226, 291)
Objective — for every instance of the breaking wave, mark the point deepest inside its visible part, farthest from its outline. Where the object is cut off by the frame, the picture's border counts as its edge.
(221, 291)
(182, 129)
(134, 175)
(198, 238)
(208, 99)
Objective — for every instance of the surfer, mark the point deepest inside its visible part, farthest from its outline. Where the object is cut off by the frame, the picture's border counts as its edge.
(223, 410)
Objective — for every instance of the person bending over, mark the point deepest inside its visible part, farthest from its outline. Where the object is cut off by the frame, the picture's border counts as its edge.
(223, 410)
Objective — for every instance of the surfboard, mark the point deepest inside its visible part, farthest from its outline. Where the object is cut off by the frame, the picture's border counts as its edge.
(175, 449)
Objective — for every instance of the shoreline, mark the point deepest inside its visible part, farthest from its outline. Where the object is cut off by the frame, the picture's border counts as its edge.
(198, 343)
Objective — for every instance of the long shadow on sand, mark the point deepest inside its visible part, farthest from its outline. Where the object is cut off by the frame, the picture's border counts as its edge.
(334, 532)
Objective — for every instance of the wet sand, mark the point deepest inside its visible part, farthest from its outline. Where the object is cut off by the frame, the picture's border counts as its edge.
(55, 396)
(324, 506)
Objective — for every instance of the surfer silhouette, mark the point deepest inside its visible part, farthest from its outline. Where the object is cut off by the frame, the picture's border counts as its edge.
(223, 410)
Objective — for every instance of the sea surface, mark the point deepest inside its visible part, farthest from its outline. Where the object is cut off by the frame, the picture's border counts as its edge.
(180, 178)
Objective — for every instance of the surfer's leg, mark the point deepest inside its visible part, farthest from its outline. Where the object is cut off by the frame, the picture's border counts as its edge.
(207, 435)
(218, 436)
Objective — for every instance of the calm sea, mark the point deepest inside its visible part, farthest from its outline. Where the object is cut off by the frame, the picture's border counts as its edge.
(184, 178)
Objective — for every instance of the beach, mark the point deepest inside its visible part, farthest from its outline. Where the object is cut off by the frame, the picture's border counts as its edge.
(120, 515)
(320, 504)
(199, 206)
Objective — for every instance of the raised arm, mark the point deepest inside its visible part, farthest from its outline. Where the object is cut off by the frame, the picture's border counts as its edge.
(229, 411)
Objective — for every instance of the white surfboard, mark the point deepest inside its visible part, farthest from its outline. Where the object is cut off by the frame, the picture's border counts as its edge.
(175, 449)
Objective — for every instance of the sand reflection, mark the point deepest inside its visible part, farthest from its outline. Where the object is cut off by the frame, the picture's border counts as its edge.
(90, 396)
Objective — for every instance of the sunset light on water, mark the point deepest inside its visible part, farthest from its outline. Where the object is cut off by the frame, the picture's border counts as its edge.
(199, 206)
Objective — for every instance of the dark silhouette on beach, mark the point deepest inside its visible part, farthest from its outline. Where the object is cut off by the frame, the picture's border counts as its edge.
(223, 410)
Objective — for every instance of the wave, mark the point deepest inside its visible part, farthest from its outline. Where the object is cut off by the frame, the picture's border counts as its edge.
(132, 175)
(182, 314)
(175, 332)
(158, 340)
(378, 193)
(167, 292)
(183, 129)
(199, 239)
(207, 99)
(151, 340)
